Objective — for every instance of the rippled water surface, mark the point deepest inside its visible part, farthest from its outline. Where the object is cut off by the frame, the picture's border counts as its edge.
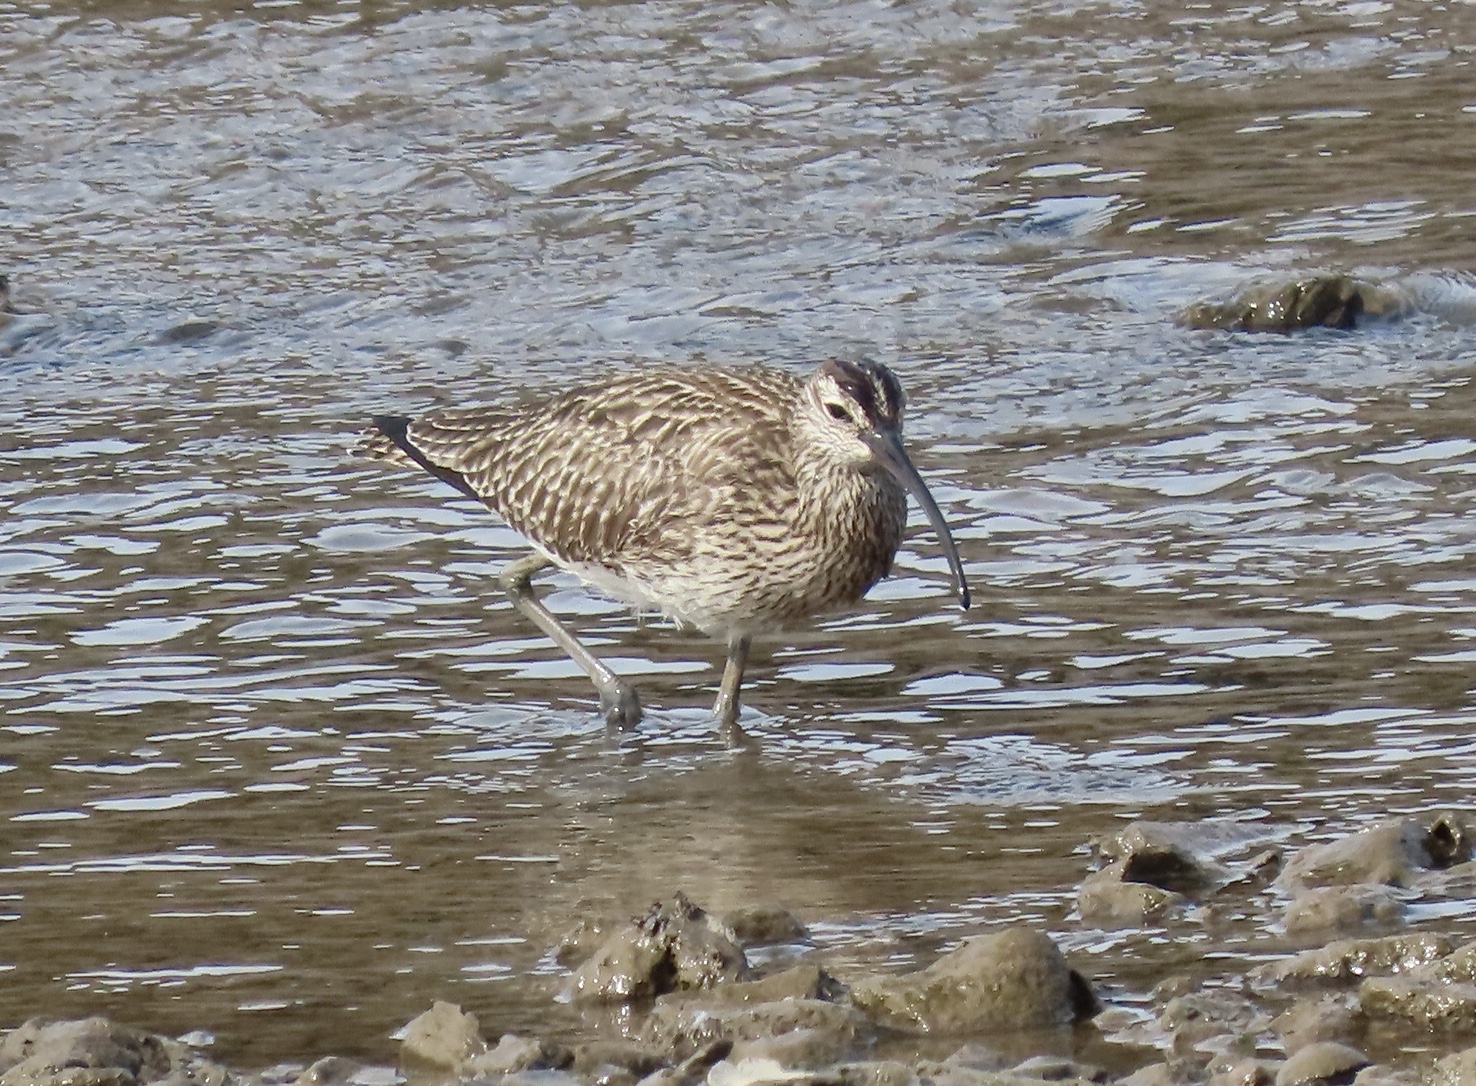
(276, 758)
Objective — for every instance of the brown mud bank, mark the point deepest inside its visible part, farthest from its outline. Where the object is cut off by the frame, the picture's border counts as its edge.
(679, 996)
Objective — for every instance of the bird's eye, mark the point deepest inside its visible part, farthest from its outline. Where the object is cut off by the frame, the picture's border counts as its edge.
(837, 412)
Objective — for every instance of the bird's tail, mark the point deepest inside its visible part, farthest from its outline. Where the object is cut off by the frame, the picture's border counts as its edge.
(388, 438)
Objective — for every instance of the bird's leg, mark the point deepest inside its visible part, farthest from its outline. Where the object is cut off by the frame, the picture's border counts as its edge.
(621, 706)
(726, 709)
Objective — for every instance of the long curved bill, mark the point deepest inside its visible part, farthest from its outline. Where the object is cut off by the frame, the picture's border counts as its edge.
(887, 444)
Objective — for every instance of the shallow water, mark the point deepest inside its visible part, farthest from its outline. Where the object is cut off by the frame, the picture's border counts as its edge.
(279, 762)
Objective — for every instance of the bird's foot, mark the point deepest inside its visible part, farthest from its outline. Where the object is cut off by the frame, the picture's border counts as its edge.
(621, 706)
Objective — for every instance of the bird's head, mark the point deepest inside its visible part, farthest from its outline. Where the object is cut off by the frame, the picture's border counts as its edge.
(853, 411)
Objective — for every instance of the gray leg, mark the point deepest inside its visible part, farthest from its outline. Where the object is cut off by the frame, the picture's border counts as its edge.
(621, 706)
(726, 709)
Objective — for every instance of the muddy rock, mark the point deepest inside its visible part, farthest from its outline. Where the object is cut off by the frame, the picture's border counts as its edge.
(1392, 854)
(674, 946)
(515, 1053)
(1346, 961)
(1157, 1074)
(634, 1057)
(1429, 1005)
(1058, 1069)
(867, 1073)
(803, 981)
(1334, 1018)
(339, 1071)
(1323, 1062)
(443, 1038)
(1456, 1069)
(534, 1077)
(1162, 854)
(692, 1070)
(1243, 1073)
(685, 1026)
(1343, 909)
(810, 1049)
(1438, 995)
(765, 925)
(1015, 979)
(1322, 301)
(91, 1052)
(1110, 899)
(577, 944)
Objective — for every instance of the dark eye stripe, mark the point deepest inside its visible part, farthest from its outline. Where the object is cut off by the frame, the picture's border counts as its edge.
(874, 388)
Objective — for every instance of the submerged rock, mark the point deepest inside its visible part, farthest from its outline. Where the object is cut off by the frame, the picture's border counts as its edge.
(1016, 979)
(1321, 301)
(674, 946)
(1390, 854)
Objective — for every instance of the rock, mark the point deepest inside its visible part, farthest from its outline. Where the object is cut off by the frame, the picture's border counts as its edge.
(867, 1073)
(1058, 1069)
(1161, 854)
(765, 925)
(804, 981)
(1430, 1005)
(980, 1057)
(1243, 1073)
(1459, 965)
(1210, 1012)
(539, 1078)
(750, 1071)
(85, 1052)
(515, 1053)
(1323, 301)
(1323, 1062)
(674, 946)
(1343, 909)
(579, 942)
(633, 1056)
(1107, 897)
(1346, 960)
(1440, 994)
(685, 1025)
(1154, 1074)
(813, 1049)
(693, 1069)
(1336, 1018)
(1456, 1069)
(1390, 853)
(337, 1071)
(442, 1037)
(1014, 979)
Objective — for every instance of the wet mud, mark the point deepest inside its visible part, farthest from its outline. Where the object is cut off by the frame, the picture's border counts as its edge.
(690, 997)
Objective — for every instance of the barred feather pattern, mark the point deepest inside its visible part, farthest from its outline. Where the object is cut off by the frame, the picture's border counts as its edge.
(712, 495)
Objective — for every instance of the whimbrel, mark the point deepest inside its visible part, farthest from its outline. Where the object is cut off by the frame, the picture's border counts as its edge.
(735, 501)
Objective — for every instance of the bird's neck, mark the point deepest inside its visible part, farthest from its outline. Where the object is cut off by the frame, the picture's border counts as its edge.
(841, 498)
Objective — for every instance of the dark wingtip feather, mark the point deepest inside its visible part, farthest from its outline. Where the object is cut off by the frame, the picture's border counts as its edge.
(388, 438)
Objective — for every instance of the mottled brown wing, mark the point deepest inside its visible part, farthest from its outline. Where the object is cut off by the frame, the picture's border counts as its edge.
(627, 469)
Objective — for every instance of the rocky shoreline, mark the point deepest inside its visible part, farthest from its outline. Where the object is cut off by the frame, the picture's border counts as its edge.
(741, 999)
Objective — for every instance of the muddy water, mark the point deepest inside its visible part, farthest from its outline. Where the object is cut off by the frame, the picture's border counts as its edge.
(277, 761)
